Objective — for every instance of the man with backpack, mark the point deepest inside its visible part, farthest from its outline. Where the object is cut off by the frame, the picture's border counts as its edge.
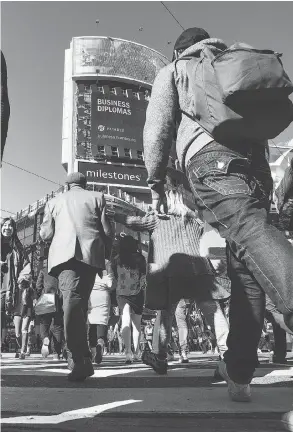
(222, 127)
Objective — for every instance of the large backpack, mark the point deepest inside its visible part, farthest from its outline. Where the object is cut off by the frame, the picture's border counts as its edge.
(240, 94)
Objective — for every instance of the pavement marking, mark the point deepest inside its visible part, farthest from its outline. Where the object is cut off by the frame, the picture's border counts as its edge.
(99, 373)
(89, 412)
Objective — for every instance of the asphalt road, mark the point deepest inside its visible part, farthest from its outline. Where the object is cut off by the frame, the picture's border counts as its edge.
(36, 396)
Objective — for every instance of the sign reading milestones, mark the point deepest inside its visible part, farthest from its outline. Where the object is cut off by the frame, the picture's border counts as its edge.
(116, 119)
(114, 174)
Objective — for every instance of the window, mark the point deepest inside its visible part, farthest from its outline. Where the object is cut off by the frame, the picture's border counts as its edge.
(114, 151)
(101, 150)
(127, 153)
(139, 154)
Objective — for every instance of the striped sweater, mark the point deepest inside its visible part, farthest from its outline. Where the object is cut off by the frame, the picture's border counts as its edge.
(174, 243)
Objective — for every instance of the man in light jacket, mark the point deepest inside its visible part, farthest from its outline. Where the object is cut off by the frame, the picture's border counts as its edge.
(78, 228)
(231, 185)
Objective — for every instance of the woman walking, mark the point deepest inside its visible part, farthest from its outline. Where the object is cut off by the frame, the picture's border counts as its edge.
(16, 290)
(99, 312)
(51, 323)
(175, 271)
(129, 269)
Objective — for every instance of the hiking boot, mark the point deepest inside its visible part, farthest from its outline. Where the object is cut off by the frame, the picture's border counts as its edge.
(237, 392)
(287, 420)
(45, 347)
(81, 370)
(151, 359)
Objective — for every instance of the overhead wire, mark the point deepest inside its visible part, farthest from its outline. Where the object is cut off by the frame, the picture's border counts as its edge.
(7, 211)
(25, 170)
(172, 15)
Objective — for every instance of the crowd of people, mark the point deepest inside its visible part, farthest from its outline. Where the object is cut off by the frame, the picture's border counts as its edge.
(225, 159)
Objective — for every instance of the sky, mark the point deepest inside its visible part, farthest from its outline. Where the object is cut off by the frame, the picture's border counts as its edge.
(34, 36)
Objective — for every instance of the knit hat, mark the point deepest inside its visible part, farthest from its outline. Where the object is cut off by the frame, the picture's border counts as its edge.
(76, 178)
(190, 37)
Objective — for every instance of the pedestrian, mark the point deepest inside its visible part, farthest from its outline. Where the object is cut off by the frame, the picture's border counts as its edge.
(111, 340)
(148, 331)
(118, 336)
(284, 200)
(129, 268)
(181, 313)
(176, 270)
(231, 183)
(51, 323)
(76, 224)
(16, 290)
(99, 312)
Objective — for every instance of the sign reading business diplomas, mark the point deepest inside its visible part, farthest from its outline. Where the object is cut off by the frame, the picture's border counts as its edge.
(117, 120)
(114, 174)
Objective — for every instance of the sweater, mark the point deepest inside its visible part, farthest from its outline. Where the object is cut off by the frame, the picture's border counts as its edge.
(171, 94)
(175, 268)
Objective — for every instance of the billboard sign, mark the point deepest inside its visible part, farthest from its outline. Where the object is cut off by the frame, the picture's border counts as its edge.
(117, 121)
(114, 174)
(115, 58)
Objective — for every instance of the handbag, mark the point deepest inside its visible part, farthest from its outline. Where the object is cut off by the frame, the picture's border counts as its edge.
(45, 304)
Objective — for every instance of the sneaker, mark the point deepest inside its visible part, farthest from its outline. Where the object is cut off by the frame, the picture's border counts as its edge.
(45, 347)
(170, 357)
(287, 420)
(81, 370)
(128, 359)
(56, 357)
(237, 392)
(99, 353)
(183, 357)
(17, 355)
(22, 356)
(160, 366)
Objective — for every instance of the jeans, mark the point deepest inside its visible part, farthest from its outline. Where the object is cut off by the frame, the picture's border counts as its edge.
(231, 188)
(76, 281)
(213, 314)
(52, 323)
(180, 315)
